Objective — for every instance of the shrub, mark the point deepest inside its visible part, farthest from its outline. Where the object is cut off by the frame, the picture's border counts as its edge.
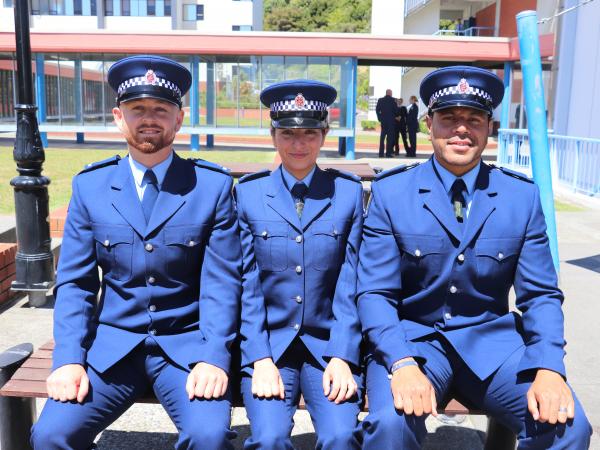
(368, 124)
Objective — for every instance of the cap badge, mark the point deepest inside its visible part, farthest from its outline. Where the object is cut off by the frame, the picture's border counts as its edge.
(299, 101)
(463, 86)
(150, 77)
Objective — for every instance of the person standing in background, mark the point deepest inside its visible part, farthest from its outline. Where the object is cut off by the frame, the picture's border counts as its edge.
(387, 110)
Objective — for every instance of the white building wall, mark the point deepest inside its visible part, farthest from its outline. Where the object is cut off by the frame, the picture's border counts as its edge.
(141, 24)
(387, 19)
(219, 15)
(410, 86)
(424, 21)
(7, 19)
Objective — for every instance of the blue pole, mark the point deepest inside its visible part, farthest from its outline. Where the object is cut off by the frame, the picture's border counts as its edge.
(210, 101)
(40, 94)
(195, 102)
(351, 89)
(505, 116)
(78, 84)
(533, 87)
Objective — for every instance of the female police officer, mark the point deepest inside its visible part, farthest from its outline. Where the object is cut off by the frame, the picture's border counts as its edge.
(300, 228)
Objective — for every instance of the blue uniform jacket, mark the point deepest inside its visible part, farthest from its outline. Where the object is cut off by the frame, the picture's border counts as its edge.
(300, 277)
(177, 279)
(418, 275)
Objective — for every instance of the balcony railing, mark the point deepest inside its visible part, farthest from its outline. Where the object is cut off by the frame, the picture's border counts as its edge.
(411, 6)
(575, 162)
(473, 31)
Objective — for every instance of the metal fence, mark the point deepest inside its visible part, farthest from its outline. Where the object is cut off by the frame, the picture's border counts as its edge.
(575, 162)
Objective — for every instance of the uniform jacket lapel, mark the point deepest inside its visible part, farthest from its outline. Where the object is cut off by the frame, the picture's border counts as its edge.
(280, 200)
(318, 197)
(125, 198)
(171, 195)
(483, 204)
(436, 200)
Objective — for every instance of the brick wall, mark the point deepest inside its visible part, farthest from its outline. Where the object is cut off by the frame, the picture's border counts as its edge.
(8, 253)
(57, 222)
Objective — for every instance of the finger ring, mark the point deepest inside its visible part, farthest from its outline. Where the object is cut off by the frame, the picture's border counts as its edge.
(562, 409)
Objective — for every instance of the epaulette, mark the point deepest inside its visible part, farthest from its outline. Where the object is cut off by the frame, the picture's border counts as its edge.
(254, 176)
(209, 165)
(394, 171)
(512, 173)
(97, 165)
(342, 173)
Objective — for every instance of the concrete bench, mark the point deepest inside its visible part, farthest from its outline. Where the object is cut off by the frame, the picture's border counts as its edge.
(28, 382)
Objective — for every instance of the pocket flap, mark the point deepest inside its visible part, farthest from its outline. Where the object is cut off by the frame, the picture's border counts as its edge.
(418, 246)
(110, 235)
(188, 236)
(269, 229)
(498, 248)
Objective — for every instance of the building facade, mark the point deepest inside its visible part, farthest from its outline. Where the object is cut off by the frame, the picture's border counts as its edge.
(139, 15)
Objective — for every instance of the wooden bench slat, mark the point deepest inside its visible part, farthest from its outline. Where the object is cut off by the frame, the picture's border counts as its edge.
(38, 363)
(27, 373)
(30, 381)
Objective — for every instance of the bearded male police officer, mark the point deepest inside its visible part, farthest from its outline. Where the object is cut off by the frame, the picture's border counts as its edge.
(434, 275)
(164, 233)
(300, 229)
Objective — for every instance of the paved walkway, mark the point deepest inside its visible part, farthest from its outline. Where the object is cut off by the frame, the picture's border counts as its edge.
(148, 427)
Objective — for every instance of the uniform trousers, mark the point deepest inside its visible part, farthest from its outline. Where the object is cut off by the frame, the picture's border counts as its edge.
(412, 137)
(70, 425)
(502, 396)
(387, 136)
(271, 420)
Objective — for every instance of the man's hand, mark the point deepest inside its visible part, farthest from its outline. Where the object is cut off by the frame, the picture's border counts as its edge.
(206, 381)
(549, 398)
(412, 391)
(266, 380)
(338, 382)
(68, 382)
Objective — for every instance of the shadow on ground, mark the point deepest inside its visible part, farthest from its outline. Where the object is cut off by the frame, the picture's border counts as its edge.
(134, 440)
(444, 438)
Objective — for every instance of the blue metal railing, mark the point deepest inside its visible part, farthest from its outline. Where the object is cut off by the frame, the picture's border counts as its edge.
(575, 162)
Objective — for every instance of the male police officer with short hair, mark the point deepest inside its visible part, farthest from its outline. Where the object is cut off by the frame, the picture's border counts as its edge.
(435, 270)
(163, 231)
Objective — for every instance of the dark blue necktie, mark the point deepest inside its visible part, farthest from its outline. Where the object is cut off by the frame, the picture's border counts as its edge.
(299, 192)
(459, 203)
(150, 193)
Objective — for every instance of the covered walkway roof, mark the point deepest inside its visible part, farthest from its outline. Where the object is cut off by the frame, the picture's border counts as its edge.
(405, 50)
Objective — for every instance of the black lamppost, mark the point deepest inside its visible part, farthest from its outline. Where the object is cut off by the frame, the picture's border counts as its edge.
(34, 260)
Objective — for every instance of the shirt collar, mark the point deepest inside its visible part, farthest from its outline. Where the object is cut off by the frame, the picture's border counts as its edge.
(290, 180)
(448, 177)
(160, 170)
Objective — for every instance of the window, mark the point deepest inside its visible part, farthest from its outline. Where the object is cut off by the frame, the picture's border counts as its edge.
(151, 7)
(125, 7)
(8, 3)
(77, 7)
(235, 28)
(189, 12)
(193, 12)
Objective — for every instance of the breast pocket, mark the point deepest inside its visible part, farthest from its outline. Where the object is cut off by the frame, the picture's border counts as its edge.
(497, 258)
(422, 258)
(270, 245)
(328, 240)
(114, 250)
(183, 247)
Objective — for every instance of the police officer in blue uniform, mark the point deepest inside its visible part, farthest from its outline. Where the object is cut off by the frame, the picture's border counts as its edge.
(435, 270)
(300, 229)
(164, 234)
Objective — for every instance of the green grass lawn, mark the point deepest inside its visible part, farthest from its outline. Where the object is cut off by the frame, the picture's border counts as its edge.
(567, 207)
(61, 164)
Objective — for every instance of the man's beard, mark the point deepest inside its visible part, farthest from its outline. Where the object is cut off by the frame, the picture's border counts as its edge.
(150, 144)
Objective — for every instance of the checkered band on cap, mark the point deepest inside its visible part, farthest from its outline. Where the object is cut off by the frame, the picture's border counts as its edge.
(142, 81)
(290, 105)
(454, 90)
